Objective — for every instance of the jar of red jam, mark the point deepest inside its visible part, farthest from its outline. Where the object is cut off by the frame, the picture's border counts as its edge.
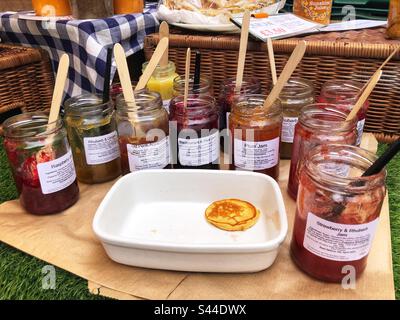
(296, 94)
(255, 133)
(143, 132)
(337, 212)
(345, 93)
(319, 123)
(227, 94)
(196, 145)
(41, 162)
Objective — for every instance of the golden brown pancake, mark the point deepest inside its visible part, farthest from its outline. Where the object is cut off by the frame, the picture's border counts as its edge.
(232, 214)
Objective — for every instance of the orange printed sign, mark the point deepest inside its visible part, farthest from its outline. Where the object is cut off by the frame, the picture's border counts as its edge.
(318, 11)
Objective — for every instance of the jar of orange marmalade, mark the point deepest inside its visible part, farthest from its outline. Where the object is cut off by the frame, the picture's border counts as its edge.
(318, 11)
(255, 133)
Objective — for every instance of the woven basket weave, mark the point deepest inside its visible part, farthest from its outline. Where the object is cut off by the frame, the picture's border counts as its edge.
(346, 55)
(26, 80)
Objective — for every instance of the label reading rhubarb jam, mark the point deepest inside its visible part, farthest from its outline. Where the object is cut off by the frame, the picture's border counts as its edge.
(258, 155)
(154, 155)
(57, 174)
(338, 242)
(101, 149)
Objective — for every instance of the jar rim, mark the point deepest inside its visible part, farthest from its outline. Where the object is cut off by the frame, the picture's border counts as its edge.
(20, 126)
(248, 83)
(145, 101)
(194, 107)
(350, 90)
(325, 117)
(87, 105)
(249, 105)
(303, 87)
(161, 70)
(350, 158)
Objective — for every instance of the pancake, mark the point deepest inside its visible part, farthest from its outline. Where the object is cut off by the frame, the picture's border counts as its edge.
(232, 214)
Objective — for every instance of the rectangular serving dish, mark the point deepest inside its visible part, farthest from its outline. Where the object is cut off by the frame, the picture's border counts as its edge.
(155, 219)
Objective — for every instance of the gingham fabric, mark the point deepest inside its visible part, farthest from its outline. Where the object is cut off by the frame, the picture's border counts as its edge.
(86, 42)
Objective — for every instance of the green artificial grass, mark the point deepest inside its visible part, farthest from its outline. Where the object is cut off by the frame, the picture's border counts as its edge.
(21, 275)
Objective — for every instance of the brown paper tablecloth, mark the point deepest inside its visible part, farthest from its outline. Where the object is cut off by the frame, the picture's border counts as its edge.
(67, 241)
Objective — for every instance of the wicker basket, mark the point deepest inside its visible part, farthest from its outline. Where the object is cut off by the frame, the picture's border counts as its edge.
(26, 80)
(347, 55)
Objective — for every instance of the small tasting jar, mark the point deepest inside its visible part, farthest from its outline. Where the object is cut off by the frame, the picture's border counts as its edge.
(255, 132)
(337, 212)
(197, 138)
(92, 133)
(345, 93)
(41, 162)
(143, 131)
(203, 88)
(162, 81)
(319, 123)
(296, 94)
(228, 92)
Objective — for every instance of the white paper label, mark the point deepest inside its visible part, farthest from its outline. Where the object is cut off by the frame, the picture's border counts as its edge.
(199, 152)
(360, 130)
(259, 155)
(288, 125)
(338, 242)
(101, 149)
(166, 104)
(154, 155)
(57, 174)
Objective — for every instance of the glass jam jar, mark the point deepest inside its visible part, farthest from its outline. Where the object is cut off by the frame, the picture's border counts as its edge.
(318, 11)
(162, 81)
(319, 123)
(143, 132)
(337, 212)
(345, 93)
(228, 92)
(393, 26)
(92, 133)
(256, 135)
(296, 94)
(203, 88)
(197, 134)
(41, 163)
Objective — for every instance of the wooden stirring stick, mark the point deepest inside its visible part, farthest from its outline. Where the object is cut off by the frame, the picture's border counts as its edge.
(364, 96)
(290, 66)
(58, 92)
(381, 67)
(164, 33)
(187, 75)
(271, 57)
(123, 73)
(152, 65)
(244, 36)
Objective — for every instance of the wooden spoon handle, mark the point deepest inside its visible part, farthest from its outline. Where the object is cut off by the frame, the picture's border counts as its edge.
(59, 86)
(364, 96)
(271, 57)
(244, 36)
(290, 66)
(154, 61)
(187, 75)
(164, 33)
(123, 73)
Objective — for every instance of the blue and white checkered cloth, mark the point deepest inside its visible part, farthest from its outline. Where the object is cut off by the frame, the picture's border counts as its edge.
(85, 41)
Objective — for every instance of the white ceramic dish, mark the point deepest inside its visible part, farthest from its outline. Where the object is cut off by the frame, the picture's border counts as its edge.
(30, 15)
(226, 27)
(155, 219)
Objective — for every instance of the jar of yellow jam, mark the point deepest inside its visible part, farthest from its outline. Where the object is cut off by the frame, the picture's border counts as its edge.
(162, 81)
